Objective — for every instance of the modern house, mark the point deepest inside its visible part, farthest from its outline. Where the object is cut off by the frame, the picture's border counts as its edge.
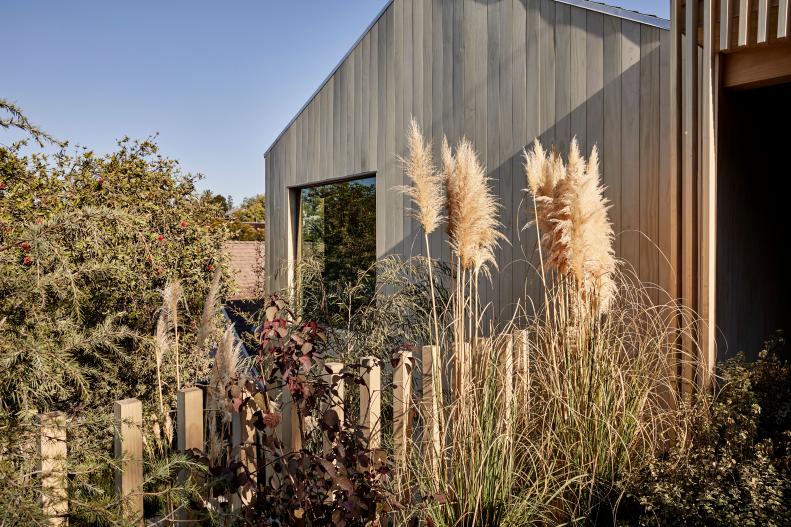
(504, 72)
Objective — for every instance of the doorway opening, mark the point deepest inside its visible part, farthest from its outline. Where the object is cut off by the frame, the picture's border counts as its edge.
(753, 218)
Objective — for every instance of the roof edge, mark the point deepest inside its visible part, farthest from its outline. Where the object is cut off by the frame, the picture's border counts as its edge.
(620, 12)
(333, 72)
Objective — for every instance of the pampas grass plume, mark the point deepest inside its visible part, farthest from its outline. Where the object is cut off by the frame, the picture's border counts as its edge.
(426, 187)
(473, 227)
(206, 327)
(571, 212)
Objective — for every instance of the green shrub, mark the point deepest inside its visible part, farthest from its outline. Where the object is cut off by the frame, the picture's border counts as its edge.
(87, 245)
(734, 469)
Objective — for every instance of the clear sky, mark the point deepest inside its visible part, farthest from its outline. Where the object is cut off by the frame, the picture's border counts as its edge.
(218, 80)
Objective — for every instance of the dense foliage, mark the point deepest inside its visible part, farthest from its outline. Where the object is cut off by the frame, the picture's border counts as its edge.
(88, 243)
(341, 482)
(246, 220)
(736, 467)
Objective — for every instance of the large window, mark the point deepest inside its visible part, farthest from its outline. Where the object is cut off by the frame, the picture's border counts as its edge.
(338, 234)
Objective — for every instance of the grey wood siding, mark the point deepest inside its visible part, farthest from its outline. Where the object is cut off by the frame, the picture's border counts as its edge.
(501, 72)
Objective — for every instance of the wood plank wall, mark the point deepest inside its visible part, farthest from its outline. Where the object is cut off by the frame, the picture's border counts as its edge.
(500, 72)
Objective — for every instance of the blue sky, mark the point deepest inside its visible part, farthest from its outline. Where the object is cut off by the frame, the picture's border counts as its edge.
(217, 80)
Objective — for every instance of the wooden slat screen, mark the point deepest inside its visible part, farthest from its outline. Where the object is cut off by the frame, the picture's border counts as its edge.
(744, 21)
(725, 24)
(763, 20)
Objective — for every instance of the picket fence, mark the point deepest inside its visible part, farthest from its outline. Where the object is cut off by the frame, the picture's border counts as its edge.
(190, 430)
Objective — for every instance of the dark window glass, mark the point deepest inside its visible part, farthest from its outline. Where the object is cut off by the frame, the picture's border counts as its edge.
(338, 230)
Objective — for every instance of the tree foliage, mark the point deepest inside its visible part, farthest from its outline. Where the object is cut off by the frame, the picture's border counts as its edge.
(251, 211)
(87, 245)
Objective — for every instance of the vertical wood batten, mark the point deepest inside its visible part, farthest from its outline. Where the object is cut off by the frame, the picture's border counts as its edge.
(689, 85)
(649, 157)
(128, 447)
(489, 289)
(670, 227)
(708, 234)
(725, 24)
(630, 143)
(744, 21)
(763, 21)
(782, 19)
(52, 452)
(519, 139)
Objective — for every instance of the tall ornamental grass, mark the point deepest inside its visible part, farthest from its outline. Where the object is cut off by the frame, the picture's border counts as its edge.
(543, 419)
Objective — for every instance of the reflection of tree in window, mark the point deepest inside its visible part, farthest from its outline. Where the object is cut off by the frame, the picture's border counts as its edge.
(339, 230)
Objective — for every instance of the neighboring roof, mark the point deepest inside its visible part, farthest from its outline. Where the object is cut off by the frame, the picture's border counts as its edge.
(599, 7)
(246, 262)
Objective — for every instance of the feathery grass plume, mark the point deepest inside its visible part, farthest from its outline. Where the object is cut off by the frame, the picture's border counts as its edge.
(571, 215)
(473, 226)
(171, 296)
(426, 187)
(226, 367)
(206, 326)
(161, 344)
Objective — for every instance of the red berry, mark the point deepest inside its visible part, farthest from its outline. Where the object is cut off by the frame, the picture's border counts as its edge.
(25, 246)
(27, 260)
(3, 185)
(183, 224)
(161, 238)
(210, 267)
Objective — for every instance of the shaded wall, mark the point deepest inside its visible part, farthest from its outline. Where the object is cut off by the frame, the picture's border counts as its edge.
(501, 72)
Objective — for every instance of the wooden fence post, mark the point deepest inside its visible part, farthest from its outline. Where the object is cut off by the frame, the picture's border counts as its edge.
(337, 404)
(371, 401)
(508, 373)
(430, 406)
(128, 448)
(402, 406)
(461, 369)
(522, 350)
(243, 435)
(52, 466)
(290, 423)
(189, 423)
(189, 419)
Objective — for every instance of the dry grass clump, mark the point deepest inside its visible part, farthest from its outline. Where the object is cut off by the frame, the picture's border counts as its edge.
(545, 423)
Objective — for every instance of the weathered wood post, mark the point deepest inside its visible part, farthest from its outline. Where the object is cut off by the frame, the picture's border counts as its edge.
(522, 350)
(507, 349)
(430, 407)
(243, 436)
(335, 368)
(52, 466)
(402, 406)
(462, 355)
(371, 400)
(128, 448)
(189, 431)
(189, 419)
